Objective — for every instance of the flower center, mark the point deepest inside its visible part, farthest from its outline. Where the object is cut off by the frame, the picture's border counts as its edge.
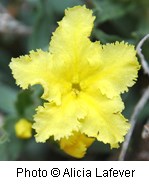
(76, 88)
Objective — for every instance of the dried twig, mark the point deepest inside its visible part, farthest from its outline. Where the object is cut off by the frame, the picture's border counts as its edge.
(133, 119)
(9, 25)
(140, 105)
(142, 58)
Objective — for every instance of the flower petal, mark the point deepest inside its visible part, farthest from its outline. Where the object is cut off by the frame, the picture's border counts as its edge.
(101, 122)
(70, 46)
(75, 26)
(31, 69)
(119, 70)
(38, 68)
(58, 121)
(76, 145)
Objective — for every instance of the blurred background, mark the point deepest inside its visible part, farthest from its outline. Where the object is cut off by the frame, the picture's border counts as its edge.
(27, 25)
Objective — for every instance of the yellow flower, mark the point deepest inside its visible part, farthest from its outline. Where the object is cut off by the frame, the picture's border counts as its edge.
(23, 129)
(82, 83)
(76, 145)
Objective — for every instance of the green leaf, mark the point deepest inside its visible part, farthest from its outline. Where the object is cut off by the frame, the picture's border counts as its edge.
(105, 38)
(5, 72)
(109, 9)
(43, 25)
(27, 101)
(11, 148)
(7, 99)
(24, 100)
(60, 6)
(143, 27)
(3, 136)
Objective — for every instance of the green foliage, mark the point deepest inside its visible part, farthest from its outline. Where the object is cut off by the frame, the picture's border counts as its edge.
(103, 37)
(109, 10)
(46, 14)
(7, 98)
(27, 102)
(3, 136)
(121, 20)
(10, 149)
